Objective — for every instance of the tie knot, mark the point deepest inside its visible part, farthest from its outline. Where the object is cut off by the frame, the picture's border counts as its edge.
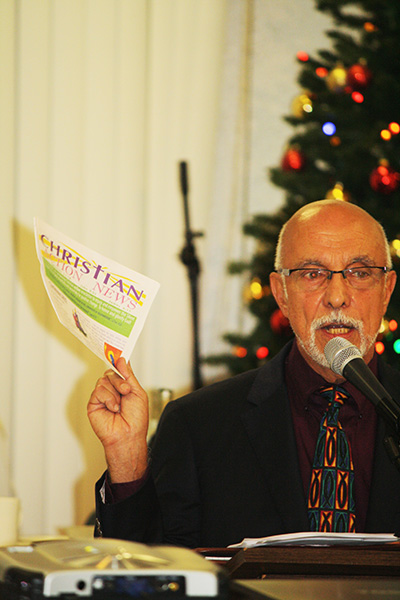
(334, 394)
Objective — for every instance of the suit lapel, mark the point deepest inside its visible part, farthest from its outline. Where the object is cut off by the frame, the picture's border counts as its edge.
(268, 423)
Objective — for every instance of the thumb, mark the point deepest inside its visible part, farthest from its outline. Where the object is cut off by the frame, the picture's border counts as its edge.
(134, 401)
(130, 384)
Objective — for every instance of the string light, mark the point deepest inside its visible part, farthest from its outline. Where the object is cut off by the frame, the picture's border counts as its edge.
(395, 247)
(357, 97)
(396, 346)
(335, 141)
(368, 26)
(393, 325)
(385, 134)
(380, 347)
(256, 289)
(303, 56)
(307, 104)
(384, 327)
(321, 72)
(338, 193)
(394, 128)
(329, 128)
(240, 351)
(262, 352)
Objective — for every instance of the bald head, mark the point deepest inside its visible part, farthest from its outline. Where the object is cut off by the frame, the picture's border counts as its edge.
(332, 236)
(335, 212)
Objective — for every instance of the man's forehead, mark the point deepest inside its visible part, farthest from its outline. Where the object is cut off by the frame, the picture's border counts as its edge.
(342, 260)
(318, 240)
(334, 224)
(331, 208)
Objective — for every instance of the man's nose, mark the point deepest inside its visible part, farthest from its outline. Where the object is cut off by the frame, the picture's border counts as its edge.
(337, 292)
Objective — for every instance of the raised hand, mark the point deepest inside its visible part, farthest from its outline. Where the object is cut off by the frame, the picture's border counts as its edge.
(119, 415)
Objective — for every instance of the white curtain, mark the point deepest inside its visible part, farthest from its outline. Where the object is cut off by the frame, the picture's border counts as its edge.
(99, 101)
(221, 300)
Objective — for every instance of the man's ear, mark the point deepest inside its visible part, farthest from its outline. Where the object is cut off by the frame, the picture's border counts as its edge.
(391, 278)
(278, 291)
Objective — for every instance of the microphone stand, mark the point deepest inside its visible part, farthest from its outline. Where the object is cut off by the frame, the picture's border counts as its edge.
(390, 412)
(392, 446)
(387, 408)
(190, 260)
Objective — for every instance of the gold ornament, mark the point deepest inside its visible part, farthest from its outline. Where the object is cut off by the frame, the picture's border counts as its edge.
(337, 79)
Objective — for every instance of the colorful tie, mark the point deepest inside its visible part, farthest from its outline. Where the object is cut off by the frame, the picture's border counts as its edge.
(331, 504)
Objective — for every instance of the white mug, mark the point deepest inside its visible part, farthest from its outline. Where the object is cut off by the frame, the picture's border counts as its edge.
(9, 520)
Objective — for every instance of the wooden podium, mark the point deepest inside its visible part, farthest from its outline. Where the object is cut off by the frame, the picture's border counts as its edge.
(309, 561)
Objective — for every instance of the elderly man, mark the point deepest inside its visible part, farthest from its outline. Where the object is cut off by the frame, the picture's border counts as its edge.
(255, 455)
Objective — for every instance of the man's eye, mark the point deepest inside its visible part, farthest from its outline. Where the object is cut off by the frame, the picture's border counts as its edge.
(360, 273)
(313, 274)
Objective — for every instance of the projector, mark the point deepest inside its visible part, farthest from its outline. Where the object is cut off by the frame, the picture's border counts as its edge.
(107, 569)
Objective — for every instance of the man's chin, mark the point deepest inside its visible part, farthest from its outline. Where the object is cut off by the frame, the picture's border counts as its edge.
(314, 347)
(313, 354)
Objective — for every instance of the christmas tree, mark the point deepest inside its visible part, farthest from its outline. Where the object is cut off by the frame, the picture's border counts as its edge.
(345, 145)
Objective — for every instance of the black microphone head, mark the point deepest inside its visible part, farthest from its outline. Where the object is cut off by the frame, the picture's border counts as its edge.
(338, 352)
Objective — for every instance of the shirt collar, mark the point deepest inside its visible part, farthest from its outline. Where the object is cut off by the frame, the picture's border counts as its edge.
(303, 382)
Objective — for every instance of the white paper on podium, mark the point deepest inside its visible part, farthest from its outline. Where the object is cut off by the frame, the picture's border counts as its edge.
(311, 538)
(101, 302)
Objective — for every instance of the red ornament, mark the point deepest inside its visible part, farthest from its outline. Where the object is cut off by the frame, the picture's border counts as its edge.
(279, 323)
(293, 160)
(384, 179)
(358, 77)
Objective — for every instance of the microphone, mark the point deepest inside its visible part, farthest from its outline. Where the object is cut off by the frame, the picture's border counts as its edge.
(346, 359)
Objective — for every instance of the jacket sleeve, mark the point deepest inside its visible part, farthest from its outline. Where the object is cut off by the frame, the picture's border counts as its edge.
(166, 509)
(136, 518)
(175, 462)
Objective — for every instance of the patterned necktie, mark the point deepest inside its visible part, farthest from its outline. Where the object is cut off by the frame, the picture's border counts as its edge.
(331, 504)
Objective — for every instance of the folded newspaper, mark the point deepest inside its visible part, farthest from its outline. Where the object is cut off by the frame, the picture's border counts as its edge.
(101, 302)
(315, 538)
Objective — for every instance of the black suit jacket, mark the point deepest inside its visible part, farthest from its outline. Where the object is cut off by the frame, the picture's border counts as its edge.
(225, 466)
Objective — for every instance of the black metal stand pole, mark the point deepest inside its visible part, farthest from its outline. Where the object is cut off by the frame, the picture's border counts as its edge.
(190, 260)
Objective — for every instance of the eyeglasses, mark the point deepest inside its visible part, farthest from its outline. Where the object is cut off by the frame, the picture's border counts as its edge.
(361, 278)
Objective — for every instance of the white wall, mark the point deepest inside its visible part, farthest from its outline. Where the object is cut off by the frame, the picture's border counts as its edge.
(99, 101)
